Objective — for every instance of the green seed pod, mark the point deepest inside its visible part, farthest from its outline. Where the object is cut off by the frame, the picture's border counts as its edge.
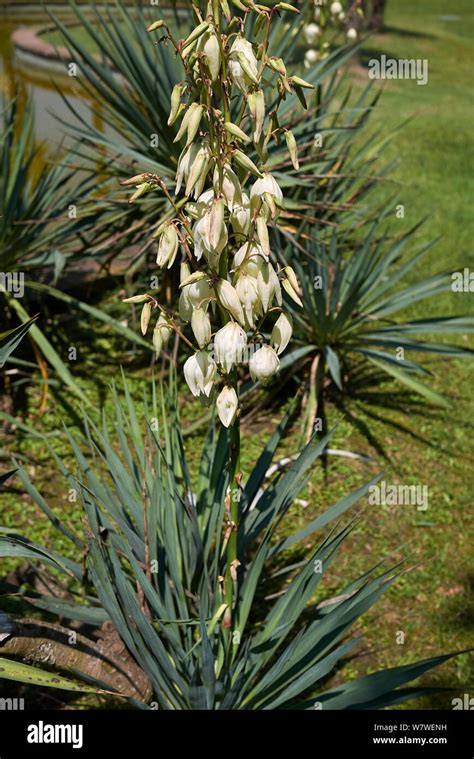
(236, 131)
(245, 163)
(292, 148)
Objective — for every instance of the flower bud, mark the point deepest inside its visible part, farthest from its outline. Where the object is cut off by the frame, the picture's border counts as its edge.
(175, 103)
(229, 300)
(199, 373)
(245, 163)
(161, 333)
(287, 286)
(168, 246)
(240, 216)
(256, 101)
(262, 233)
(136, 299)
(311, 32)
(195, 34)
(351, 34)
(201, 326)
(281, 332)
(145, 317)
(156, 25)
(242, 52)
(193, 122)
(216, 222)
(292, 148)
(263, 364)
(227, 404)
(213, 56)
(230, 343)
(198, 171)
(236, 131)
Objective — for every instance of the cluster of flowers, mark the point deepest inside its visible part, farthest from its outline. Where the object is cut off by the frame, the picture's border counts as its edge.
(222, 230)
(326, 16)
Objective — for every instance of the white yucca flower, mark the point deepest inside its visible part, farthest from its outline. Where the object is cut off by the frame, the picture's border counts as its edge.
(268, 286)
(231, 188)
(281, 332)
(240, 216)
(243, 64)
(196, 295)
(267, 185)
(263, 364)
(247, 290)
(229, 300)
(230, 343)
(335, 8)
(199, 373)
(311, 32)
(311, 57)
(201, 326)
(195, 169)
(168, 246)
(227, 404)
(249, 253)
(351, 34)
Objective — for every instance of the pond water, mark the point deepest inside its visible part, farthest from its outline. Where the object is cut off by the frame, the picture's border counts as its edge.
(39, 86)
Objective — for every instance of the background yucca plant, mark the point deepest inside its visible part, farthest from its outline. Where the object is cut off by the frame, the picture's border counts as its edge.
(37, 235)
(151, 563)
(356, 292)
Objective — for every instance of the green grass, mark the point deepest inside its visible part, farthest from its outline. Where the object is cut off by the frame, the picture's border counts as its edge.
(431, 605)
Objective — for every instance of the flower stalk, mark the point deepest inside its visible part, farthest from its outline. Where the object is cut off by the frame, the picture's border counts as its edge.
(231, 285)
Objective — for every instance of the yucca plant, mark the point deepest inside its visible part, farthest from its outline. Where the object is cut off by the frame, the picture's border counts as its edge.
(356, 294)
(38, 233)
(152, 563)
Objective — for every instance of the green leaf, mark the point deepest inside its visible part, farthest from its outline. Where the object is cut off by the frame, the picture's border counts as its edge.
(24, 673)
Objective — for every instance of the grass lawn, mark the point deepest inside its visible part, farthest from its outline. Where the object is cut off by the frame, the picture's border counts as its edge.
(432, 605)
